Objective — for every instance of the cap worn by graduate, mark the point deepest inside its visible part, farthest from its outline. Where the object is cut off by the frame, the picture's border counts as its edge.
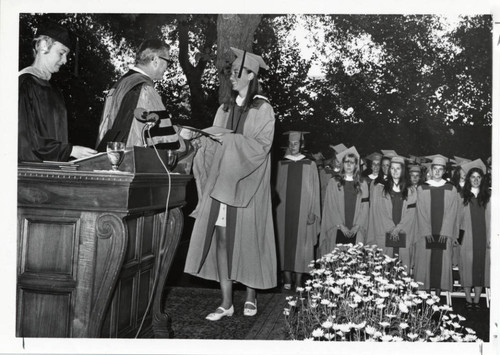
(351, 150)
(249, 61)
(57, 33)
(438, 159)
(478, 163)
(339, 148)
(295, 136)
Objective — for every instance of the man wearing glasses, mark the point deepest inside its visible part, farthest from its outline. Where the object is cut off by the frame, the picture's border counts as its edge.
(135, 90)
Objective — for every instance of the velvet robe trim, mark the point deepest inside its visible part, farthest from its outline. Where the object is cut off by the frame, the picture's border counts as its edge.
(310, 205)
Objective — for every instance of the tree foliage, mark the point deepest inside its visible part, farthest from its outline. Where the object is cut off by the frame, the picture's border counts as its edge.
(403, 82)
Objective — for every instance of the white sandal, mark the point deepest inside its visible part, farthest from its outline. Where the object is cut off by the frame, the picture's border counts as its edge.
(218, 315)
(248, 311)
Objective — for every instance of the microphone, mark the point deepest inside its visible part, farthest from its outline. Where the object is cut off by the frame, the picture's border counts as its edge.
(144, 116)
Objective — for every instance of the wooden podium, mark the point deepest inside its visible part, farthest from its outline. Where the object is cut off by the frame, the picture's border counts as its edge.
(90, 243)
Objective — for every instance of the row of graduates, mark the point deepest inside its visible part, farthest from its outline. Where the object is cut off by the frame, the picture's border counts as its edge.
(427, 225)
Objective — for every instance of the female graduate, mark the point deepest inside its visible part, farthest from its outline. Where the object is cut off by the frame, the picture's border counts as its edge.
(345, 213)
(233, 235)
(298, 210)
(393, 214)
(474, 217)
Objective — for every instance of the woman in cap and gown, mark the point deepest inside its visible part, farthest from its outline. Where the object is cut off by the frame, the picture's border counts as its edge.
(345, 213)
(233, 236)
(474, 234)
(393, 215)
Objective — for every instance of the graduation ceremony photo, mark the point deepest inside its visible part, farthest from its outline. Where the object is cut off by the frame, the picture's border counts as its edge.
(198, 182)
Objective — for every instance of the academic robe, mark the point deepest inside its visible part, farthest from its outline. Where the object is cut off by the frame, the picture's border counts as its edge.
(297, 186)
(434, 267)
(236, 173)
(381, 221)
(42, 121)
(324, 177)
(334, 215)
(118, 123)
(474, 263)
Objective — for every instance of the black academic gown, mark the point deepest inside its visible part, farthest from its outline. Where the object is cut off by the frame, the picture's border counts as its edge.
(43, 125)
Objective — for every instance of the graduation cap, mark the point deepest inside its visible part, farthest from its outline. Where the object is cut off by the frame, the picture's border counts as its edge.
(294, 136)
(398, 159)
(248, 60)
(389, 153)
(318, 156)
(478, 163)
(339, 148)
(460, 160)
(351, 150)
(57, 33)
(374, 156)
(438, 159)
(415, 169)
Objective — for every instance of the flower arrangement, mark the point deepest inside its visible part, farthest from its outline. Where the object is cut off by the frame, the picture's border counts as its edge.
(357, 293)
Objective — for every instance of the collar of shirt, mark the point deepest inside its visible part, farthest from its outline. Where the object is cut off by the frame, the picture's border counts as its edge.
(373, 176)
(348, 178)
(295, 157)
(436, 183)
(239, 100)
(475, 191)
(36, 72)
(134, 68)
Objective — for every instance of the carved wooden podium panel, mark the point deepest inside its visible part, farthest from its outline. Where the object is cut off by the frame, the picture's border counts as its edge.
(90, 243)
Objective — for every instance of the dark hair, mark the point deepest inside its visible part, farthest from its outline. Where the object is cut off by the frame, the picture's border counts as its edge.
(254, 88)
(148, 49)
(403, 184)
(484, 194)
(356, 176)
(455, 178)
(380, 178)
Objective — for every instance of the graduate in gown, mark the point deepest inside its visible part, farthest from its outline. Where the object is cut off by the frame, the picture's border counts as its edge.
(43, 123)
(298, 210)
(415, 177)
(393, 215)
(372, 172)
(474, 224)
(437, 203)
(345, 213)
(233, 235)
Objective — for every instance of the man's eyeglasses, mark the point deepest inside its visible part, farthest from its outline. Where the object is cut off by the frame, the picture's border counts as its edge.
(169, 61)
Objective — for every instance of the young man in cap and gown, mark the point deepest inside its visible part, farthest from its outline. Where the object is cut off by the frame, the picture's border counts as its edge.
(437, 206)
(43, 122)
(345, 214)
(233, 235)
(298, 210)
(474, 233)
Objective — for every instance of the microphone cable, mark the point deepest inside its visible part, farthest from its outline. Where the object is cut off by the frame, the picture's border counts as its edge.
(163, 236)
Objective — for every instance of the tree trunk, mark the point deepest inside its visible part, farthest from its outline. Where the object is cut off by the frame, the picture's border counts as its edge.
(194, 73)
(232, 31)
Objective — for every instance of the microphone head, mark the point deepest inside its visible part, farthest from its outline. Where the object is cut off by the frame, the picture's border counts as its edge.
(140, 114)
(144, 116)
